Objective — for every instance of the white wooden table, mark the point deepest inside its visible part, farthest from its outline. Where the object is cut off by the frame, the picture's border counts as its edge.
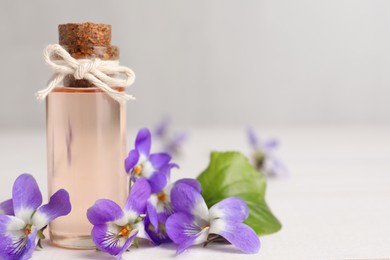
(335, 205)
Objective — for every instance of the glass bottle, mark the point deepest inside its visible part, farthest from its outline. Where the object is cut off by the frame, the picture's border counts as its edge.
(86, 131)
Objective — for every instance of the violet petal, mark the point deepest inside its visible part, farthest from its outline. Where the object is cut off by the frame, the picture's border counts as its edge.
(152, 214)
(59, 205)
(30, 246)
(143, 141)
(157, 182)
(157, 237)
(131, 160)
(13, 244)
(162, 128)
(238, 234)
(270, 145)
(158, 160)
(175, 144)
(104, 210)
(191, 182)
(105, 237)
(186, 244)
(10, 223)
(232, 208)
(276, 167)
(252, 138)
(127, 244)
(184, 198)
(26, 196)
(7, 207)
(181, 227)
(139, 194)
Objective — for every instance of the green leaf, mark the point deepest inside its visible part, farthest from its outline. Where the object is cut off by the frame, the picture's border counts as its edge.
(230, 174)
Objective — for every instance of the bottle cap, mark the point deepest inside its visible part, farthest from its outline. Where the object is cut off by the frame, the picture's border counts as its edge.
(84, 34)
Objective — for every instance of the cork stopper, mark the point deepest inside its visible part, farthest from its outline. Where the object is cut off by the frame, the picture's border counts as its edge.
(86, 41)
(84, 34)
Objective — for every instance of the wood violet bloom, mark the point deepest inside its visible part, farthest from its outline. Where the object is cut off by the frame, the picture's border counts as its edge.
(159, 208)
(20, 233)
(193, 223)
(140, 163)
(115, 229)
(263, 156)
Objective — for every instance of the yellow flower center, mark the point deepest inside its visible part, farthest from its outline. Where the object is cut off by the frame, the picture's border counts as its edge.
(162, 196)
(125, 231)
(137, 170)
(205, 226)
(27, 231)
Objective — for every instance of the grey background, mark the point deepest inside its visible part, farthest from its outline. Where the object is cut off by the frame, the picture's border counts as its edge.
(216, 62)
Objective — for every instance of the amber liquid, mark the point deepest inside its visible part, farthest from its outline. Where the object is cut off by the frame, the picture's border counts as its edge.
(86, 141)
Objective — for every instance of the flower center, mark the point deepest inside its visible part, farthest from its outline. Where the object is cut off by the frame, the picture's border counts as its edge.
(162, 196)
(125, 231)
(27, 230)
(205, 226)
(137, 170)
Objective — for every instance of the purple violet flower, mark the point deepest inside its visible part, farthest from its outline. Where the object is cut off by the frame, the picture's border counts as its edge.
(115, 230)
(263, 156)
(140, 163)
(19, 233)
(193, 223)
(158, 237)
(159, 208)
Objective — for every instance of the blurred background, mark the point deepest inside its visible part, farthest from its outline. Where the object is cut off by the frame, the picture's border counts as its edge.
(220, 62)
(312, 73)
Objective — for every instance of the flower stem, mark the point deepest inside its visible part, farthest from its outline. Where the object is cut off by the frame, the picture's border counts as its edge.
(129, 184)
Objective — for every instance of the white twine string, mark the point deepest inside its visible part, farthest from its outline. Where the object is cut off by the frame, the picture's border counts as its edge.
(100, 73)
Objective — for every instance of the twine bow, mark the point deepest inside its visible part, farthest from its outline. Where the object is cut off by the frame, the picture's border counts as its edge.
(100, 73)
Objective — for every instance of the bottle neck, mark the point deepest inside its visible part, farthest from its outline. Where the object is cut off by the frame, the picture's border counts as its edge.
(88, 52)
